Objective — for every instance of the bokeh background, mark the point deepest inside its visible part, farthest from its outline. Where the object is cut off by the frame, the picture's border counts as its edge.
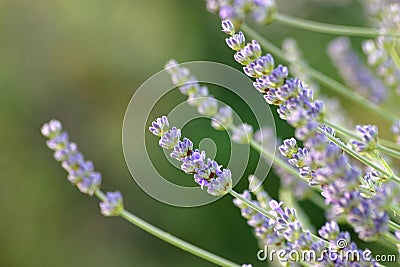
(80, 61)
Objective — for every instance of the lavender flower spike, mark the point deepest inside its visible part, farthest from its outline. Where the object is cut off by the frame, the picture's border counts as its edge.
(113, 205)
(206, 172)
(80, 172)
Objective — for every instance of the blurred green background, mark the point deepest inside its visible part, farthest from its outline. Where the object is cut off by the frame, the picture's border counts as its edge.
(80, 61)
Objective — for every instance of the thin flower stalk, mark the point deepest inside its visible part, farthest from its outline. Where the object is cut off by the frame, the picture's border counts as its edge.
(81, 174)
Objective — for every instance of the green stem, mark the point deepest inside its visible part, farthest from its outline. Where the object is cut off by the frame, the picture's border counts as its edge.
(357, 156)
(389, 151)
(346, 132)
(317, 199)
(265, 212)
(322, 78)
(391, 238)
(331, 28)
(389, 144)
(167, 237)
(394, 226)
(393, 54)
(276, 160)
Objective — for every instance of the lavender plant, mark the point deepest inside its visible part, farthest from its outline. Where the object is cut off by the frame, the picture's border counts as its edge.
(349, 173)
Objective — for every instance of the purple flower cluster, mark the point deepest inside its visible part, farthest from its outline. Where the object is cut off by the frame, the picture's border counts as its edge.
(113, 205)
(206, 171)
(369, 136)
(286, 231)
(354, 72)
(294, 98)
(321, 162)
(198, 96)
(396, 131)
(379, 59)
(299, 68)
(262, 11)
(80, 172)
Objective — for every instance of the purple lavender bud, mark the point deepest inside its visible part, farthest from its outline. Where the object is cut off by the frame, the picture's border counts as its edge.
(329, 231)
(171, 66)
(244, 6)
(89, 184)
(228, 27)
(264, 11)
(288, 148)
(221, 185)
(299, 158)
(170, 138)
(264, 135)
(396, 131)
(241, 58)
(160, 126)
(208, 107)
(194, 162)
(228, 12)
(58, 141)
(196, 98)
(63, 154)
(252, 50)
(113, 205)
(369, 136)
(223, 119)
(182, 149)
(249, 53)
(242, 134)
(212, 6)
(236, 42)
(249, 70)
(307, 131)
(51, 129)
(289, 90)
(264, 65)
(277, 77)
(191, 86)
(181, 77)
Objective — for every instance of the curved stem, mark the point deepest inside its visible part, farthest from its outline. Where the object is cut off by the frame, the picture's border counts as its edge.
(167, 237)
(331, 28)
(323, 79)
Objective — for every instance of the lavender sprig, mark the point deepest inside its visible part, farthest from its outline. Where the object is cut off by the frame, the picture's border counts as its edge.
(354, 72)
(81, 174)
(207, 172)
